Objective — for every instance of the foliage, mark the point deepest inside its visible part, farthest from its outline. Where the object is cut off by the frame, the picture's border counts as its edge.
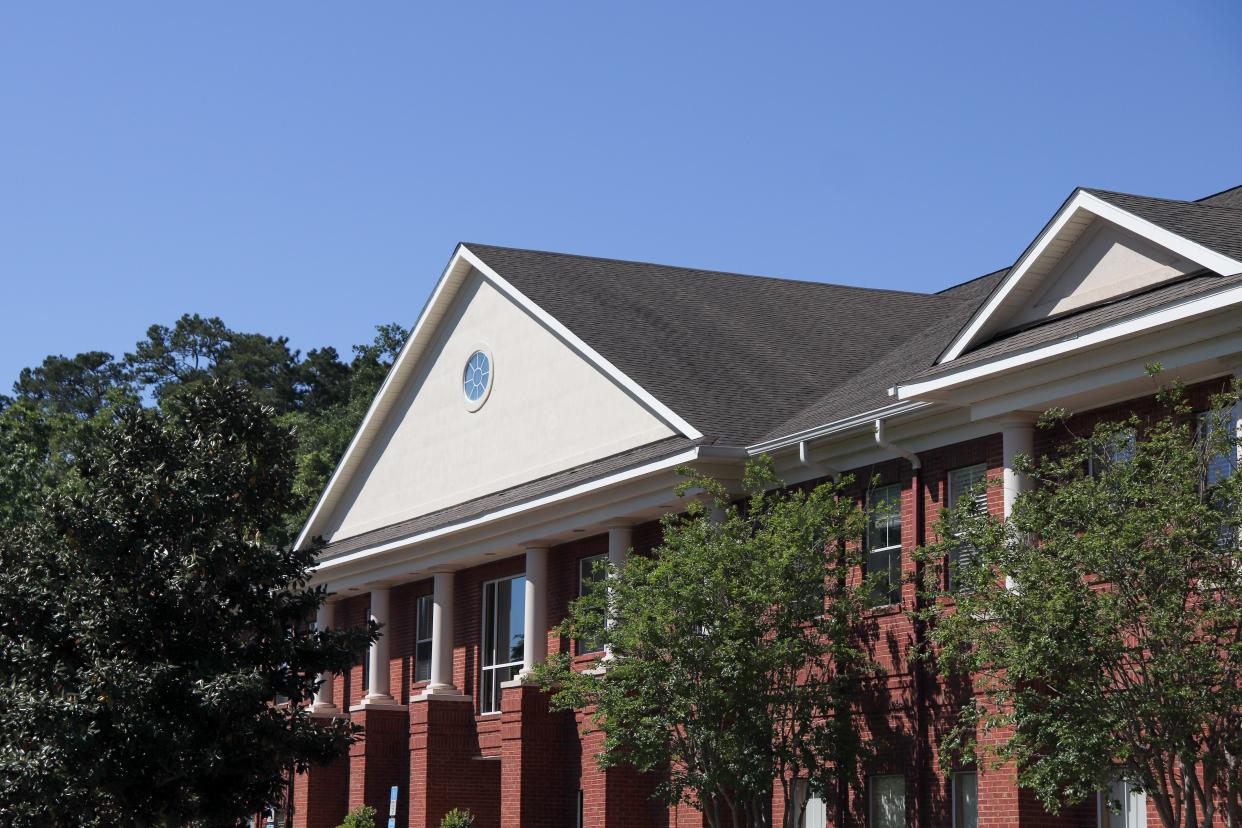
(1118, 648)
(150, 611)
(737, 650)
(361, 817)
(457, 818)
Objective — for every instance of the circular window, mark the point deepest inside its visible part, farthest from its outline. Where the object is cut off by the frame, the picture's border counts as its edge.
(476, 379)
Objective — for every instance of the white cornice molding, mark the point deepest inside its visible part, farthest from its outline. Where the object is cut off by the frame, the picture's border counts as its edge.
(1133, 326)
(1082, 200)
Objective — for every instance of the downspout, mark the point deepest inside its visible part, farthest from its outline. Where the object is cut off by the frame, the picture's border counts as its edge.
(821, 469)
(918, 667)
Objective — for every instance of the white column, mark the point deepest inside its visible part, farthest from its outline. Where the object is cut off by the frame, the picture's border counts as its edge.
(377, 656)
(442, 636)
(1017, 437)
(1237, 421)
(324, 703)
(620, 539)
(535, 634)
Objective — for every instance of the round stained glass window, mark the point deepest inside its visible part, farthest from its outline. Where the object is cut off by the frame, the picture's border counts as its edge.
(476, 381)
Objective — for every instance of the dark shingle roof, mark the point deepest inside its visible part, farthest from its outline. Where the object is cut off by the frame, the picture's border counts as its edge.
(734, 355)
(1226, 198)
(868, 390)
(1077, 323)
(1212, 225)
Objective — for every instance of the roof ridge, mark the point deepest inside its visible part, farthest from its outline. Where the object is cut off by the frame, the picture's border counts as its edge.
(1196, 203)
(969, 281)
(784, 279)
(1221, 193)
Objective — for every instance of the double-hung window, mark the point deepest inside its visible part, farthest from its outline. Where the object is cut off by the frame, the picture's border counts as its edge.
(1121, 806)
(422, 638)
(884, 544)
(965, 799)
(590, 571)
(504, 618)
(967, 482)
(1216, 429)
(815, 810)
(888, 802)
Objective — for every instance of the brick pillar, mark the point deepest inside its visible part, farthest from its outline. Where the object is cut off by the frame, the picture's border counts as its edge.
(380, 759)
(619, 795)
(539, 761)
(321, 795)
(446, 770)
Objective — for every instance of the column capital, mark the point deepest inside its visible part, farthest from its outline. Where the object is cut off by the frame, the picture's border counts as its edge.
(536, 544)
(612, 523)
(1017, 419)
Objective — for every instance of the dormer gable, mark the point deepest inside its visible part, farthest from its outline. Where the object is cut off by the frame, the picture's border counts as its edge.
(1094, 251)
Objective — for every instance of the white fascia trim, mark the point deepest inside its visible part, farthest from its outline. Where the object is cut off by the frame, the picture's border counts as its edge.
(393, 372)
(1131, 327)
(1193, 251)
(836, 426)
(617, 375)
(529, 505)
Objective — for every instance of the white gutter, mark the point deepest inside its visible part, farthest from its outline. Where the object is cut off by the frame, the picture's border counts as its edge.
(893, 447)
(837, 426)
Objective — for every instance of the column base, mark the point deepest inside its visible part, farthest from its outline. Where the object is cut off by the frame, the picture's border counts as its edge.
(447, 694)
(326, 711)
(373, 702)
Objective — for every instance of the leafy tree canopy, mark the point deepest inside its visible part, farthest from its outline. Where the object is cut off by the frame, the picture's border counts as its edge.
(150, 612)
(1116, 647)
(736, 652)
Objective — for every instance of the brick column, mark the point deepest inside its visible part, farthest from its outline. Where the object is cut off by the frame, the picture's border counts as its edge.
(321, 795)
(446, 770)
(539, 761)
(380, 759)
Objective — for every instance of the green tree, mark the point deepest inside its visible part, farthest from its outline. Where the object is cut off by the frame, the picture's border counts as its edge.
(333, 412)
(78, 386)
(737, 651)
(1115, 649)
(151, 612)
(361, 817)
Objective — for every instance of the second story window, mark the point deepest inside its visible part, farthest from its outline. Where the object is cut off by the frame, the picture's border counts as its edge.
(504, 619)
(590, 571)
(884, 544)
(967, 482)
(422, 638)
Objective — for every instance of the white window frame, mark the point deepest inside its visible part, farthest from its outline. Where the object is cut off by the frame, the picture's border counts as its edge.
(423, 636)
(803, 801)
(1220, 465)
(891, 551)
(585, 647)
(1128, 800)
(973, 474)
(485, 669)
(956, 792)
(871, 796)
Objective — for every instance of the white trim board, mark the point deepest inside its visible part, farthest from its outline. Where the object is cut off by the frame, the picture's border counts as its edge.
(1152, 320)
(1082, 201)
(460, 265)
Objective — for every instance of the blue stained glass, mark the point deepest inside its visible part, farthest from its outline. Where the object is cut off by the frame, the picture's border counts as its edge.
(476, 376)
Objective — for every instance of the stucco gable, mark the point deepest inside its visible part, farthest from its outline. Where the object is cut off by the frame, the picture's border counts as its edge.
(549, 409)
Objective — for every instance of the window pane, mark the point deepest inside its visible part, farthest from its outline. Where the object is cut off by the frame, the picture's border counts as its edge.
(489, 624)
(423, 625)
(888, 802)
(514, 619)
(422, 661)
(965, 800)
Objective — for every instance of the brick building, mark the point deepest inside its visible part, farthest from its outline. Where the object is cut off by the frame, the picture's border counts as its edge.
(533, 423)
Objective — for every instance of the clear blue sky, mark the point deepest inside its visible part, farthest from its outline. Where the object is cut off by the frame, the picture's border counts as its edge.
(306, 168)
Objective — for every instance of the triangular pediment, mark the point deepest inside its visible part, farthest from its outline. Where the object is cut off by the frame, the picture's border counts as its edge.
(430, 443)
(1091, 252)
